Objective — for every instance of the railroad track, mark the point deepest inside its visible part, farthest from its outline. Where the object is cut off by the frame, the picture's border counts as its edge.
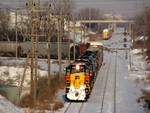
(74, 107)
(109, 92)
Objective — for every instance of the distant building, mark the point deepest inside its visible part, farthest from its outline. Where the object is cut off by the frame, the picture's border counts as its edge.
(113, 16)
(21, 20)
(79, 31)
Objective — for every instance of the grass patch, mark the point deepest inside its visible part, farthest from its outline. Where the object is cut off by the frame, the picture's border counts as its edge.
(3, 93)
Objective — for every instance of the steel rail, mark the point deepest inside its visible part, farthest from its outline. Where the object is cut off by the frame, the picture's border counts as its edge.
(103, 96)
(115, 83)
(79, 109)
(67, 107)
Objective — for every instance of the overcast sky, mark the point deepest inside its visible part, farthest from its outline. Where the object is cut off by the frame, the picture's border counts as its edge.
(128, 8)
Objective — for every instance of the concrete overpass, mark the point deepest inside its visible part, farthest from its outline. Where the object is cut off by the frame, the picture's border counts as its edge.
(108, 21)
(129, 22)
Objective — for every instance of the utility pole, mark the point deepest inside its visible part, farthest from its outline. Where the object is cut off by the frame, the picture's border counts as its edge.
(68, 39)
(74, 37)
(130, 29)
(84, 32)
(90, 19)
(49, 46)
(16, 26)
(59, 41)
(32, 51)
(61, 36)
(145, 30)
(81, 28)
(35, 25)
(36, 53)
(133, 33)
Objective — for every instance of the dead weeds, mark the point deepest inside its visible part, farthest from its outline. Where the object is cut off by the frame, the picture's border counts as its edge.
(46, 94)
(145, 99)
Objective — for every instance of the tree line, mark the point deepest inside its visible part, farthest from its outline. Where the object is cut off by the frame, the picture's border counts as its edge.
(64, 8)
(142, 28)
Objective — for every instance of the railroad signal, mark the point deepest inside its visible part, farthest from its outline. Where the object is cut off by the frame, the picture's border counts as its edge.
(125, 45)
(125, 40)
(125, 33)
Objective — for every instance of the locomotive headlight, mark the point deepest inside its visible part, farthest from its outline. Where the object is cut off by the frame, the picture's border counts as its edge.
(77, 67)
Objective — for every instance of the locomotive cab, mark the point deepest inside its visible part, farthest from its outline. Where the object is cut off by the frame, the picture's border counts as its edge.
(78, 85)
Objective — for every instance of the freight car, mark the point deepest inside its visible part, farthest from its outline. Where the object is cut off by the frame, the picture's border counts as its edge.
(42, 49)
(9, 49)
(81, 74)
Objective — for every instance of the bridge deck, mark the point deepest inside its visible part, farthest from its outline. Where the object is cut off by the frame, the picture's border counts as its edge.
(107, 21)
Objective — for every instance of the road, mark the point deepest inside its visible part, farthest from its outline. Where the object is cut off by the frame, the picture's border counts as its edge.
(112, 92)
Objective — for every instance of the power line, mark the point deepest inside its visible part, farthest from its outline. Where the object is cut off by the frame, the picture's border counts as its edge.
(110, 1)
(6, 7)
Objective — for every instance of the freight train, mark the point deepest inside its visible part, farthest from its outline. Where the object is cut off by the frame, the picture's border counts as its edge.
(81, 74)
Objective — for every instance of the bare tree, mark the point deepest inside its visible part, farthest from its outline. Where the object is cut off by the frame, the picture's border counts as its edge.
(142, 27)
(139, 28)
(90, 13)
(65, 6)
(4, 26)
(147, 17)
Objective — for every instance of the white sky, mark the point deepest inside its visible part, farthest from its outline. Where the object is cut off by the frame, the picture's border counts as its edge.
(128, 8)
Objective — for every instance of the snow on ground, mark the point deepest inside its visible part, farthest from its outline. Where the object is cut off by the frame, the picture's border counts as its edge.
(11, 72)
(8, 107)
(139, 68)
(13, 75)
